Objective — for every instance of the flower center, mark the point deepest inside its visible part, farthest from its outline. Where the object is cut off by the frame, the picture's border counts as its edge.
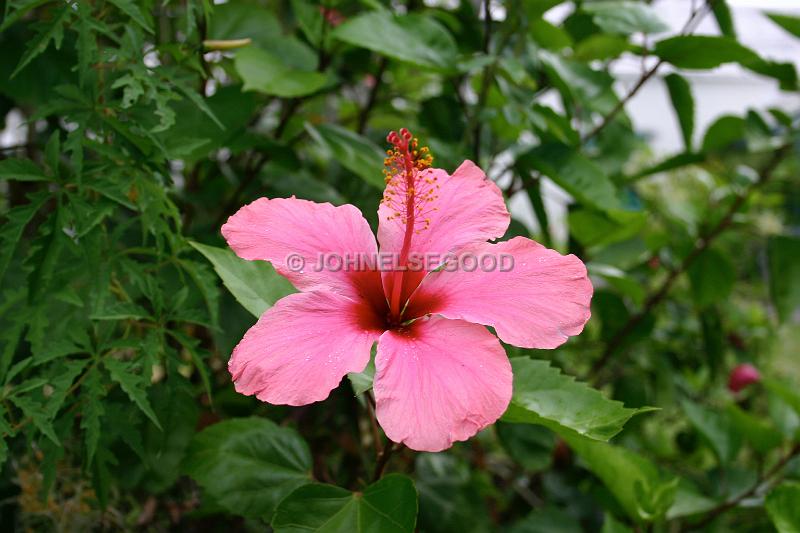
(410, 189)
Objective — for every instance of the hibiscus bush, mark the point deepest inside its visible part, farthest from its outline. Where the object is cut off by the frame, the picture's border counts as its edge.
(198, 330)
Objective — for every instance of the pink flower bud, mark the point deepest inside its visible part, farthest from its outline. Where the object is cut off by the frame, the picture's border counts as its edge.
(742, 376)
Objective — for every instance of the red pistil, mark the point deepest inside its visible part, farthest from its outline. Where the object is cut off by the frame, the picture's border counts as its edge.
(409, 187)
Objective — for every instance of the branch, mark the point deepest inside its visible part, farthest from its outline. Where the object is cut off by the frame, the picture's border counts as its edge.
(764, 478)
(700, 246)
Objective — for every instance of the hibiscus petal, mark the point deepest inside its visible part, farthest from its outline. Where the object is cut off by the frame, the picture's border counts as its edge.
(469, 208)
(300, 349)
(439, 381)
(297, 236)
(539, 302)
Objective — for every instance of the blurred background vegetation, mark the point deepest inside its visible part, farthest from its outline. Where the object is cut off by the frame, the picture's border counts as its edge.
(133, 129)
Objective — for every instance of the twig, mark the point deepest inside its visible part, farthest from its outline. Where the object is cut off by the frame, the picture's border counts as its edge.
(694, 19)
(700, 246)
(383, 459)
(363, 116)
(765, 478)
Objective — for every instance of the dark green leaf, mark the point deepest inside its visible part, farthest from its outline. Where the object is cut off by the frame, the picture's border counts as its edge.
(389, 505)
(787, 22)
(680, 93)
(353, 151)
(21, 170)
(717, 429)
(133, 384)
(722, 14)
(248, 465)
(712, 276)
(417, 39)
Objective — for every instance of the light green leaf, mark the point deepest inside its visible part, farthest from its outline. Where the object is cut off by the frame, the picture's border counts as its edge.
(248, 465)
(389, 505)
(723, 132)
(717, 429)
(680, 93)
(783, 255)
(353, 151)
(635, 482)
(21, 170)
(577, 175)
(545, 396)
(625, 17)
(783, 507)
(264, 72)
(417, 39)
(703, 51)
(133, 383)
(254, 284)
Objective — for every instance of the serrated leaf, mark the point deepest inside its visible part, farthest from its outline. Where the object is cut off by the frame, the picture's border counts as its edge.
(388, 506)
(16, 220)
(132, 10)
(38, 415)
(353, 151)
(248, 465)
(51, 31)
(133, 384)
(92, 411)
(21, 170)
(543, 395)
(254, 284)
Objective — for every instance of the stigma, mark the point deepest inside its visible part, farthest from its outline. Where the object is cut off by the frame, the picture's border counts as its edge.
(411, 184)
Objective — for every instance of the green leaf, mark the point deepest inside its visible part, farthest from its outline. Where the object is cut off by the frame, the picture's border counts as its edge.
(625, 17)
(723, 132)
(17, 218)
(703, 51)
(133, 384)
(528, 445)
(680, 93)
(21, 170)
(38, 414)
(254, 284)
(416, 39)
(722, 14)
(786, 391)
(53, 30)
(248, 465)
(543, 395)
(783, 507)
(362, 381)
(92, 411)
(132, 10)
(758, 431)
(717, 429)
(264, 72)
(787, 22)
(353, 151)
(712, 276)
(783, 255)
(549, 36)
(574, 173)
(389, 505)
(635, 482)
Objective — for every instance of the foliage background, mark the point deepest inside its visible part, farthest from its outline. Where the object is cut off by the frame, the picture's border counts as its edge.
(148, 123)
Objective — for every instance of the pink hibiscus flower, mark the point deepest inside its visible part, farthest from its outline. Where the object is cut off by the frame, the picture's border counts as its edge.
(441, 376)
